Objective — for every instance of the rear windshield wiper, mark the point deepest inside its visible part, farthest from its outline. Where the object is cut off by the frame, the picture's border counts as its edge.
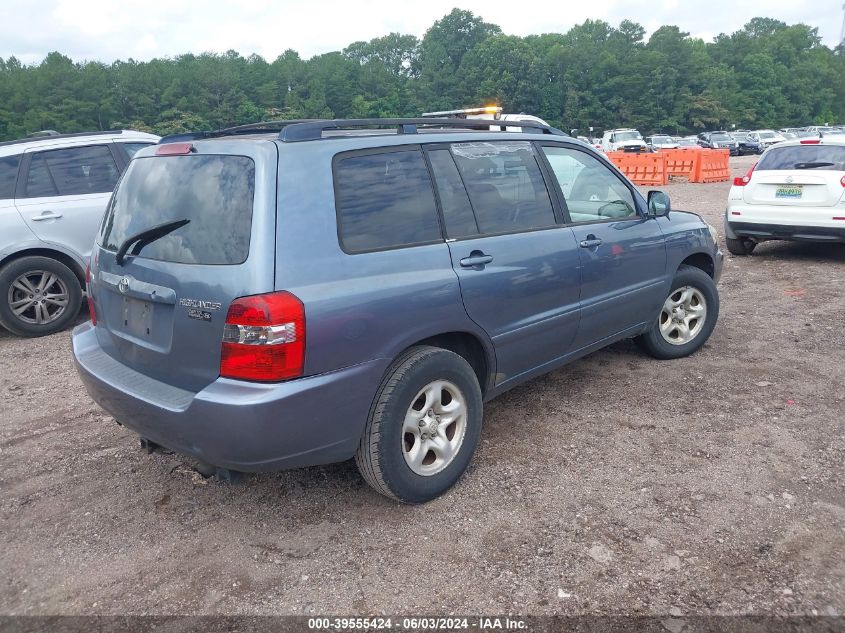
(812, 165)
(145, 237)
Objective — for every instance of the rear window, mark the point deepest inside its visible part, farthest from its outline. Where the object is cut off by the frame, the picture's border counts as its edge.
(804, 157)
(385, 200)
(214, 192)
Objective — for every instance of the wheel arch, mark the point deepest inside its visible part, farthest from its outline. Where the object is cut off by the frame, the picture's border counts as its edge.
(471, 348)
(702, 261)
(51, 253)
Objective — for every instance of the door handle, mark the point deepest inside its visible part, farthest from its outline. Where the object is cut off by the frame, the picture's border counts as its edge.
(476, 258)
(591, 242)
(46, 216)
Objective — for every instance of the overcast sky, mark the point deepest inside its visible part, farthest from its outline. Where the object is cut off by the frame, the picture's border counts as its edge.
(106, 30)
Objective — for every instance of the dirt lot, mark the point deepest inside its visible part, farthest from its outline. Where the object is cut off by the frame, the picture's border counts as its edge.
(618, 484)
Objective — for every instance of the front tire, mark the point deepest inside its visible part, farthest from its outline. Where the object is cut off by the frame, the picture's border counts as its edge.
(741, 246)
(38, 296)
(423, 427)
(687, 317)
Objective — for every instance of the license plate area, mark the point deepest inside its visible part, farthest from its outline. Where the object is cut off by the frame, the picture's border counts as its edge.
(138, 318)
(789, 192)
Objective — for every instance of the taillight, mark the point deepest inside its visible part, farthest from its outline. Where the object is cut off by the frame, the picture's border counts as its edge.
(264, 338)
(842, 181)
(89, 289)
(810, 141)
(741, 181)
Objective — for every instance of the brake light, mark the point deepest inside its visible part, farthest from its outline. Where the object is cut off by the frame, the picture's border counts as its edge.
(741, 181)
(842, 181)
(264, 338)
(174, 149)
(92, 311)
(810, 141)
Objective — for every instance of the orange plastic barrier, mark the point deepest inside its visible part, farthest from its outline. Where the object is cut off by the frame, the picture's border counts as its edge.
(682, 162)
(642, 169)
(713, 166)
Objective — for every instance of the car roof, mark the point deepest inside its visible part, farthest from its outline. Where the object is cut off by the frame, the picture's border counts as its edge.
(11, 148)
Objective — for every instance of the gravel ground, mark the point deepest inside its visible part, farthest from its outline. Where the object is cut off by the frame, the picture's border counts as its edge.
(617, 485)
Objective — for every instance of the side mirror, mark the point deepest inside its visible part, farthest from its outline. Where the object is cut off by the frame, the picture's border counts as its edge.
(658, 204)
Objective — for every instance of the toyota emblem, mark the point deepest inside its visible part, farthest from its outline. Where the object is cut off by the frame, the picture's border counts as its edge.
(123, 286)
(789, 179)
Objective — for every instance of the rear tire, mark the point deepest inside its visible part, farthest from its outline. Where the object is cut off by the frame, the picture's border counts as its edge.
(741, 246)
(38, 296)
(687, 317)
(423, 427)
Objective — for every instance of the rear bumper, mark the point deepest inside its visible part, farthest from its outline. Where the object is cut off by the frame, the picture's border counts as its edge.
(794, 233)
(232, 424)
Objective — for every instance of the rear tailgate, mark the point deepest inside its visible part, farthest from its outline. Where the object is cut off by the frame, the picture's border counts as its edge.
(162, 311)
(794, 188)
(798, 175)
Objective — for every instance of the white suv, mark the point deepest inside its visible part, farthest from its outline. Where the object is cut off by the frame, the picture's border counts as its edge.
(623, 140)
(53, 193)
(795, 192)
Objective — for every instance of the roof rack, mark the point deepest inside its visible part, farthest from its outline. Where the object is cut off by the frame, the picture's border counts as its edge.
(52, 137)
(313, 130)
(249, 128)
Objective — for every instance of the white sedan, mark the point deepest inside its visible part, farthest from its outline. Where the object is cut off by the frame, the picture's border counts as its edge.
(795, 192)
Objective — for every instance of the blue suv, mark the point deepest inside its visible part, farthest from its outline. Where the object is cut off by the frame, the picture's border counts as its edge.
(290, 294)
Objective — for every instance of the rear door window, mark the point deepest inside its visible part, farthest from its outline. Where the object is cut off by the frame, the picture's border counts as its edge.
(384, 200)
(804, 157)
(72, 171)
(214, 192)
(505, 186)
(8, 176)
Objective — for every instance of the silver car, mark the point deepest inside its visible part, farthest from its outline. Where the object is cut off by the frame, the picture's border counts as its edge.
(53, 192)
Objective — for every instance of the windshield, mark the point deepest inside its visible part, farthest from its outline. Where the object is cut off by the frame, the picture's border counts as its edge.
(804, 156)
(627, 136)
(213, 192)
(661, 139)
(720, 137)
(766, 134)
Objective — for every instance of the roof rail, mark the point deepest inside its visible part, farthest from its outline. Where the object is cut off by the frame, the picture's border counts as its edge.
(313, 130)
(52, 137)
(249, 128)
